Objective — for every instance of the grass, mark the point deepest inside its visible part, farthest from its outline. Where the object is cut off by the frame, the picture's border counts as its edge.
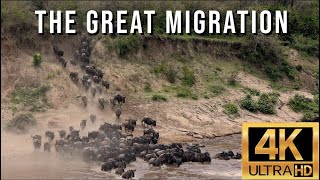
(216, 90)
(252, 92)
(185, 92)
(34, 99)
(231, 109)
(147, 88)
(189, 78)
(159, 97)
(167, 70)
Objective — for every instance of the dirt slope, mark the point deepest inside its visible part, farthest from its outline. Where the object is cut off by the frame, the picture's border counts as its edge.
(178, 119)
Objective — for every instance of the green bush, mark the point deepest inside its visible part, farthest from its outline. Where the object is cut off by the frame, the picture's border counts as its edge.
(128, 44)
(249, 104)
(300, 103)
(158, 97)
(231, 109)
(188, 77)
(267, 103)
(37, 59)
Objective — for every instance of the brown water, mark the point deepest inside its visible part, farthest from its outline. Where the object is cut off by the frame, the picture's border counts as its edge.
(20, 162)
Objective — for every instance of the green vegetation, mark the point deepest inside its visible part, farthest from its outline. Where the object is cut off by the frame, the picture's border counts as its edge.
(188, 77)
(216, 90)
(37, 59)
(231, 109)
(266, 103)
(249, 104)
(252, 92)
(34, 99)
(147, 88)
(128, 44)
(158, 97)
(309, 107)
(171, 74)
(184, 92)
(167, 70)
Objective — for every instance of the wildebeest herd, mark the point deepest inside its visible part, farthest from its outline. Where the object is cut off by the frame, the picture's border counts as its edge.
(112, 145)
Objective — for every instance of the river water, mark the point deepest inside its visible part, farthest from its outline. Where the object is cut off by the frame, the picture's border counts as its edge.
(41, 165)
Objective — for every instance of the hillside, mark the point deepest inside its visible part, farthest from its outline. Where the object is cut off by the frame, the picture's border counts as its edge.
(201, 86)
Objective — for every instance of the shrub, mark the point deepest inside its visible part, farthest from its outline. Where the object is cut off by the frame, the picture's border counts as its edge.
(147, 87)
(300, 103)
(216, 89)
(249, 104)
(267, 103)
(158, 97)
(188, 77)
(127, 44)
(231, 109)
(171, 74)
(37, 59)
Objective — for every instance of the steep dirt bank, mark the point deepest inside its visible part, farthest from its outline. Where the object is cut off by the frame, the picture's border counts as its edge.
(178, 119)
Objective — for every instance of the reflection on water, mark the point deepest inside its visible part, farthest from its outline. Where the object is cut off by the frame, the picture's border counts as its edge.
(50, 166)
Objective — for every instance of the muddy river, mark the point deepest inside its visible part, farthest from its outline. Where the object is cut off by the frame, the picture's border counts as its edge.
(20, 162)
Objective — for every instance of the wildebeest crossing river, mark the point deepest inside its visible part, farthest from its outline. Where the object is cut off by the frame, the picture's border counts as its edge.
(42, 165)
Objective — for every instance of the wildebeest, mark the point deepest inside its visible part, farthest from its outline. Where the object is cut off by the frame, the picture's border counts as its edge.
(74, 76)
(83, 124)
(71, 129)
(96, 79)
(149, 121)
(118, 113)
(49, 135)
(84, 100)
(119, 171)
(99, 89)
(76, 55)
(93, 118)
(62, 134)
(46, 147)
(73, 62)
(74, 135)
(128, 126)
(112, 102)
(57, 51)
(128, 174)
(120, 99)
(93, 91)
(106, 84)
(102, 102)
(36, 140)
(107, 166)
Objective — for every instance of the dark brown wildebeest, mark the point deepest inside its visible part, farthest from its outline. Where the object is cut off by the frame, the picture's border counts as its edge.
(83, 124)
(128, 174)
